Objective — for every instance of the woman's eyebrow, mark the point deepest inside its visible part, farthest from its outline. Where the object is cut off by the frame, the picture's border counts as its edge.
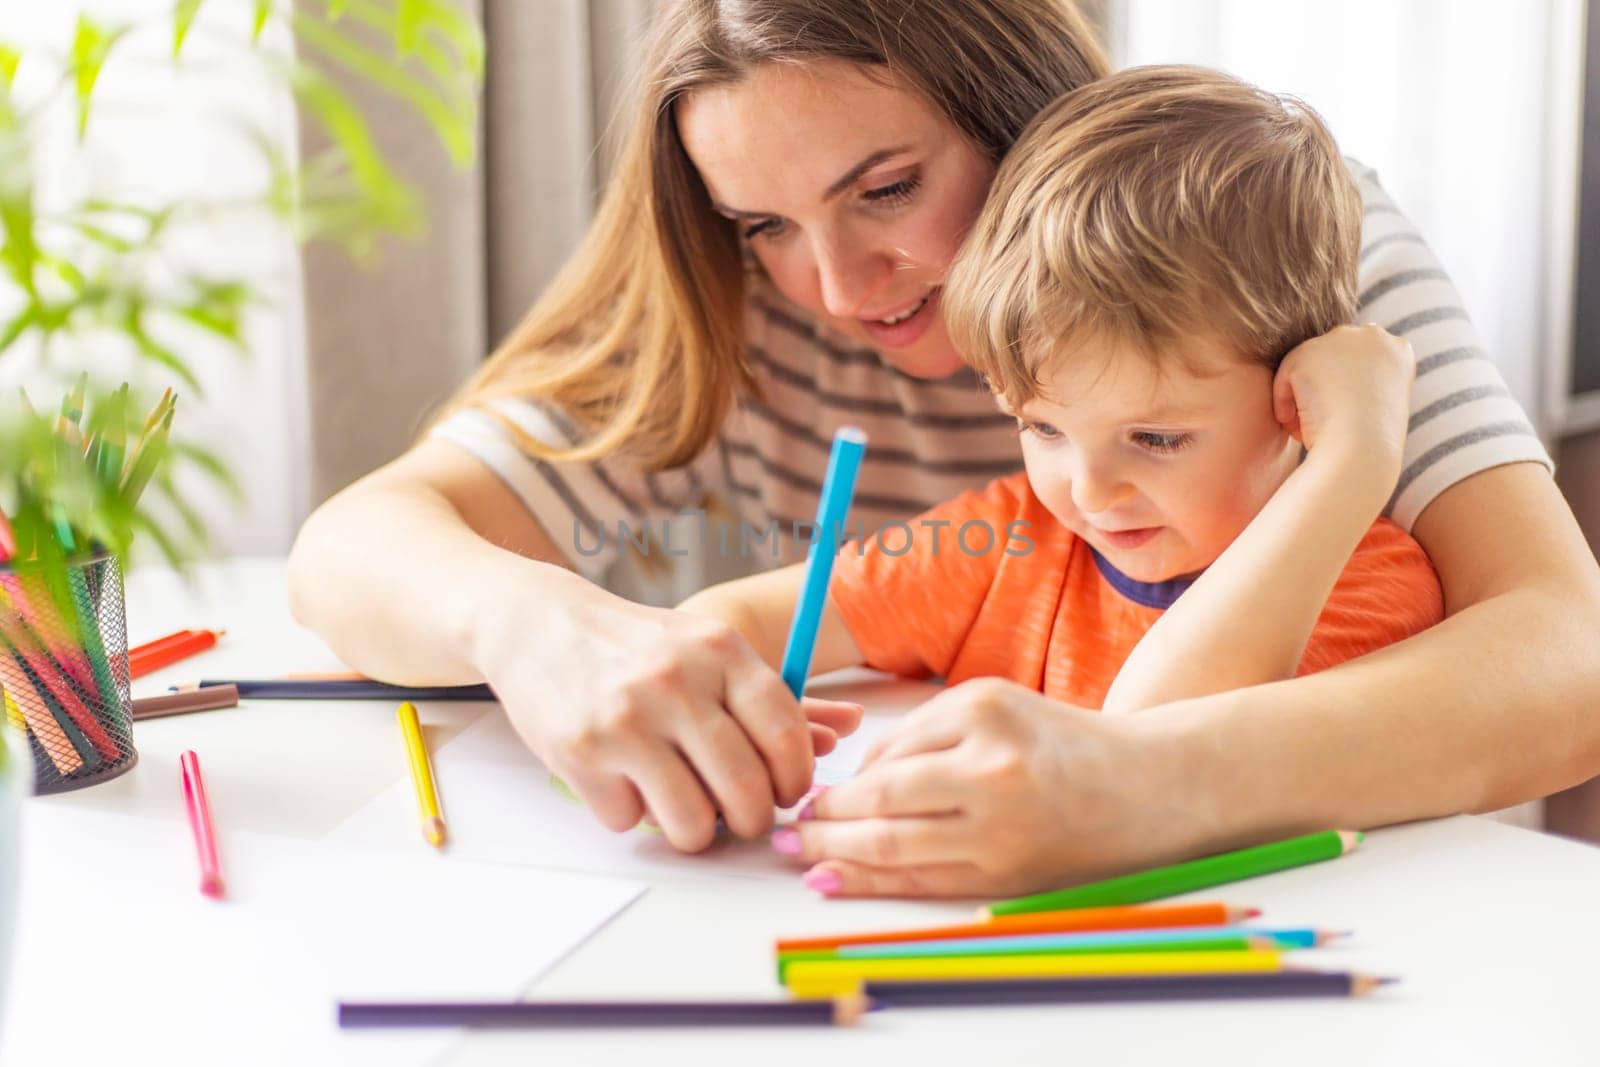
(861, 168)
(849, 178)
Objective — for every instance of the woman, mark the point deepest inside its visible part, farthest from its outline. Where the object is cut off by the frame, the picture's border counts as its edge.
(766, 266)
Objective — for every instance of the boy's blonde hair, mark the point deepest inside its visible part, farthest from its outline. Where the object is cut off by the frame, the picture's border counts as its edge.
(1151, 204)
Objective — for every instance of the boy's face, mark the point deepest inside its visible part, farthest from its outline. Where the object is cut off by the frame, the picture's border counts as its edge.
(1159, 470)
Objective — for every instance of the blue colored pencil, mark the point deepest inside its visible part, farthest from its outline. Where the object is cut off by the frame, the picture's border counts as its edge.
(838, 489)
(1285, 938)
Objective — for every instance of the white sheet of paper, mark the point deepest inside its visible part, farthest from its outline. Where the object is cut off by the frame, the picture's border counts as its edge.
(121, 959)
(502, 807)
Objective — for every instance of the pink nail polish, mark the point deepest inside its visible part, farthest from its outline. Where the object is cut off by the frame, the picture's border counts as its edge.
(786, 840)
(823, 881)
(808, 803)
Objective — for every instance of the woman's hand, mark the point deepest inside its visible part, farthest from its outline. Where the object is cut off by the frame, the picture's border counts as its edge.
(646, 711)
(991, 789)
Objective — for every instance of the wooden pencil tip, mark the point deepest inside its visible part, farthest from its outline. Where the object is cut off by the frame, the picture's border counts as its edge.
(848, 1009)
(1324, 936)
(212, 887)
(1362, 984)
(985, 913)
(433, 830)
(1349, 839)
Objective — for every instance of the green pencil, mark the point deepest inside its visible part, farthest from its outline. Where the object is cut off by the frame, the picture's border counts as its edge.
(1186, 877)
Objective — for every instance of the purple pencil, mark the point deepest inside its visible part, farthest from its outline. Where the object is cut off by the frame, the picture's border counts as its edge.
(515, 1014)
(1121, 988)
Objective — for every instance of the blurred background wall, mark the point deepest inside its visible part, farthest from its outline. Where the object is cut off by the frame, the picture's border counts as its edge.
(1471, 111)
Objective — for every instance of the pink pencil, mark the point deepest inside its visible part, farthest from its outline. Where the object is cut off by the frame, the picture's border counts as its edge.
(205, 833)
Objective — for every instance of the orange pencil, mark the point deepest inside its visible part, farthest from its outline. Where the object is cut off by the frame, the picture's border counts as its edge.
(1044, 922)
(168, 650)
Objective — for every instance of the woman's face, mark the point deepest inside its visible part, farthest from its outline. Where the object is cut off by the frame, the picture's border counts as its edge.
(853, 193)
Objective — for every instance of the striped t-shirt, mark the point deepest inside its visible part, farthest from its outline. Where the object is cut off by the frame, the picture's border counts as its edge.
(1022, 597)
(932, 440)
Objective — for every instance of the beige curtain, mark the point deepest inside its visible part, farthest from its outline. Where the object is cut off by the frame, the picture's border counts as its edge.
(387, 343)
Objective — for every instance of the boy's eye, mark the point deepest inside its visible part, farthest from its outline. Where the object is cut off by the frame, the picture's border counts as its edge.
(1162, 442)
(1042, 430)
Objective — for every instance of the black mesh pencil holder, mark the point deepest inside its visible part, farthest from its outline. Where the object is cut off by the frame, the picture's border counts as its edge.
(64, 671)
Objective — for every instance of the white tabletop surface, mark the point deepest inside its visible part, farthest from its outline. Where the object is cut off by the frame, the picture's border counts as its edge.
(1493, 930)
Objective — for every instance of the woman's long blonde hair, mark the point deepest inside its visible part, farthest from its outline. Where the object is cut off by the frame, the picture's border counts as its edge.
(638, 338)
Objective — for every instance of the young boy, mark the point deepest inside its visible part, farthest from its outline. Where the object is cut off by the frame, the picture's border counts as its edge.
(1157, 289)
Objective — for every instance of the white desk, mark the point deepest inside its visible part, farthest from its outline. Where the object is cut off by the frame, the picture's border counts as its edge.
(1494, 930)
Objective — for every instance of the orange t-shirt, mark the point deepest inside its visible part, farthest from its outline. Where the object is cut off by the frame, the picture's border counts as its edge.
(1040, 607)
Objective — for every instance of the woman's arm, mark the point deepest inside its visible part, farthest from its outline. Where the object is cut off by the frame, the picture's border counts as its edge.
(1497, 705)
(430, 571)
(396, 571)
(761, 608)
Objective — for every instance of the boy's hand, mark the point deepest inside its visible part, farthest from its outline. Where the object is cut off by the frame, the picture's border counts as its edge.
(1350, 389)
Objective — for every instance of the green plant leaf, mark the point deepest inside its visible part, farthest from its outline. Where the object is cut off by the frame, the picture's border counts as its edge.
(182, 18)
(9, 59)
(91, 45)
(453, 122)
(454, 25)
(14, 329)
(258, 21)
(152, 349)
(213, 466)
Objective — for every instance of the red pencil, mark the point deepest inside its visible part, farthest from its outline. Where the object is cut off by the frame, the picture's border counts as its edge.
(205, 833)
(154, 655)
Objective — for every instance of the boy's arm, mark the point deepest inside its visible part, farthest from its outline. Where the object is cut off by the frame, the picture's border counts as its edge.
(761, 608)
(1247, 619)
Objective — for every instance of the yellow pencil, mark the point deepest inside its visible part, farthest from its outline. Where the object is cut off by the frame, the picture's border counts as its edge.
(422, 776)
(809, 978)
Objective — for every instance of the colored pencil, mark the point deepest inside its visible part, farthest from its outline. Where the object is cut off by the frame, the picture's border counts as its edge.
(55, 684)
(840, 1011)
(205, 831)
(156, 644)
(45, 629)
(144, 463)
(836, 977)
(1182, 939)
(1294, 937)
(71, 415)
(151, 657)
(838, 489)
(931, 950)
(152, 423)
(1188, 876)
(209, 699)
(46, 726)
(289, 689)
(1205, 913)
(113, 441)
(422, 776)
(13, 713)
(1121, 989)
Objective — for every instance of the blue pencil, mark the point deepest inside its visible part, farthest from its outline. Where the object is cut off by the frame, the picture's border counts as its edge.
(1285, 938)
(838, 489)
